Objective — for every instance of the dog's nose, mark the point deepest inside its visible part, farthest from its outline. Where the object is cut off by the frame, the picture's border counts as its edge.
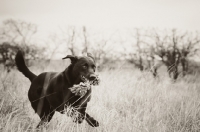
(92, 77)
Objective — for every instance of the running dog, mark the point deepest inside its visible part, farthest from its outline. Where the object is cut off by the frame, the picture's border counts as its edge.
(49, 91)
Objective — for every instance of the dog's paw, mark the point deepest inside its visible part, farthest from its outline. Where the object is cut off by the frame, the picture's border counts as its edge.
(92, 122)
(79, 119)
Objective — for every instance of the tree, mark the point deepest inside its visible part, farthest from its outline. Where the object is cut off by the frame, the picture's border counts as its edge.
(69, 37)
(168, 51)
(19, 32)
(7, 53)
(137, 57)
(85, 41)
(15, 35)
(100, 48)
(174, 49)
(153, 60)
(99, 51)
(188, 48)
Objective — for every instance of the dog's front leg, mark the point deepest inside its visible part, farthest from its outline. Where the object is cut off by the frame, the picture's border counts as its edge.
(83, 115)
(91, 121)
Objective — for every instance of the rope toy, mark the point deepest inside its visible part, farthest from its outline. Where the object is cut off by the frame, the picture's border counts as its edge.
(82, 88)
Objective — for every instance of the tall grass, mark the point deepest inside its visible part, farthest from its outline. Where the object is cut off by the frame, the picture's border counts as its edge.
(125, 101)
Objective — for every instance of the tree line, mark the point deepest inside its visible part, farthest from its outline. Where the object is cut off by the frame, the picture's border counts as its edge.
(142, 48)
(172, 47)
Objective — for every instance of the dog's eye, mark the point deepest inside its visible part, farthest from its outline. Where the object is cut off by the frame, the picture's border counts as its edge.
(84, 67)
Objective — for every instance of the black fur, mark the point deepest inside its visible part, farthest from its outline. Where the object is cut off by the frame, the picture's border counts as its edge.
(20, 63)
(49, 91)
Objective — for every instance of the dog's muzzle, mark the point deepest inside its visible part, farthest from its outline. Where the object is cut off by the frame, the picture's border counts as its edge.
(93, 79)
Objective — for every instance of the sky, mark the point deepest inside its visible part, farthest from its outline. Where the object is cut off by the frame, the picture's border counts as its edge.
(181, 14)
(49, 15)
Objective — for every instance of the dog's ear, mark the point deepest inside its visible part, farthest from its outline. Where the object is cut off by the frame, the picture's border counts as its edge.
(72, 58)
(91, 56)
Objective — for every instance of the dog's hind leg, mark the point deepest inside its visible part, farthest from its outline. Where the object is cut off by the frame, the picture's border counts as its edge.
(45, 119)
(46, 113)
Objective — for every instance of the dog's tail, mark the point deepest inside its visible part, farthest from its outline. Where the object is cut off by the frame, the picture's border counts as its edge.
(20, 63)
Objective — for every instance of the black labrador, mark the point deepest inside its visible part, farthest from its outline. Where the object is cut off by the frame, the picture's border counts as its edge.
(49, 91)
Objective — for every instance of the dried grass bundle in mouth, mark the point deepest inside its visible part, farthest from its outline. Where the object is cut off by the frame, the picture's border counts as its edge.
(82, 88)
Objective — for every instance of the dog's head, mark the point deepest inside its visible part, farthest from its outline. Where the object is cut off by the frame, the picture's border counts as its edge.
(82, 68)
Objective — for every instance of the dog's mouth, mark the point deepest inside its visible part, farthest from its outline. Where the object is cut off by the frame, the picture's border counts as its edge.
(93, 79)
(83, 78)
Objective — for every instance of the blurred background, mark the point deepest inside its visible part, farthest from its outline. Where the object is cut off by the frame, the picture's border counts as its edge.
(142, 34)
(147, 54)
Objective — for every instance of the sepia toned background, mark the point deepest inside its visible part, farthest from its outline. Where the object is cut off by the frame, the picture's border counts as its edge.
(147, 55)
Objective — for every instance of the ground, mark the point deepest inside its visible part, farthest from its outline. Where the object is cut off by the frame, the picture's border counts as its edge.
(125, 101)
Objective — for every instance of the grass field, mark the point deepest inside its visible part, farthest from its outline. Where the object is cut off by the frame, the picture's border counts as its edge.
(125, 101)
